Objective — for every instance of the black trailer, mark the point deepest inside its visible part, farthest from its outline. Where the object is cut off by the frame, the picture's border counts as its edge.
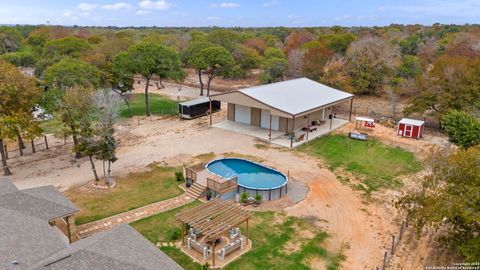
(197, 107)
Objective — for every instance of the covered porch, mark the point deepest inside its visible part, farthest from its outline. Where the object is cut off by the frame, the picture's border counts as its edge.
(283, 138)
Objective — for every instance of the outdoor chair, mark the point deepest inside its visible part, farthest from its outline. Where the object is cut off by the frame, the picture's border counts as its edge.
(300, 138)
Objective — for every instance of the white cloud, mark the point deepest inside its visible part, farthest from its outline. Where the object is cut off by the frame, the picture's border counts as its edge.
(87, 6)
(181, 14)
(67, 13)
(269, 4)
(225, 5)
(143, 12)
(158, 5)
(116, 6)
(213, 18)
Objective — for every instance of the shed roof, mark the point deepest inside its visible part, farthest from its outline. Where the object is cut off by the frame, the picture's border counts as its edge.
(293, 97)
(412, 122)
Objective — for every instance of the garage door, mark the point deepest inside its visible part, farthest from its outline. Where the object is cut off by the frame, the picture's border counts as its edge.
(242, 114)
(265, 121)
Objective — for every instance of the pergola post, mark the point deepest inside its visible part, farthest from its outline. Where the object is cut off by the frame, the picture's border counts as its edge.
(270, 129)
(183, 233)
(351, 107)
(210, 100)
(213, 254)
(246, 234)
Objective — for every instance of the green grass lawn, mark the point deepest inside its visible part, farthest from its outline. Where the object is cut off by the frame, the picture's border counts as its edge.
(132, 191)
(51, 126)
(162, 227)
(272, 235)
(159, 105)
(376, 164)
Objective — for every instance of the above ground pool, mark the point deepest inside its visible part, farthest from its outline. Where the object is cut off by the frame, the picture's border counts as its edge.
(253, 178)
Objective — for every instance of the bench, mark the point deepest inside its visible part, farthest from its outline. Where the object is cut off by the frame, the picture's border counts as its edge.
(358, 136)
(198, 247)
(229, 248)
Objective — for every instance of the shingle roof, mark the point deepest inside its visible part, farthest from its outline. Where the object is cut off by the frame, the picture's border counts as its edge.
(120, 248)
(26, 239)
(6, 186)
(42, 202)
(295, 96)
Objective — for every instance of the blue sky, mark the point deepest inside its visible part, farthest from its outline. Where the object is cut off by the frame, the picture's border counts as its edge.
(239, 12)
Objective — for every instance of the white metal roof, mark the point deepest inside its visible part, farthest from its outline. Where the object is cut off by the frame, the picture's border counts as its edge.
(295, 96)
(412, 122)
(195, 101)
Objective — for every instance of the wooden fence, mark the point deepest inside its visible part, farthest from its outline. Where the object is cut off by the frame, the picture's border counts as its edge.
(32, 147)
(388, 254)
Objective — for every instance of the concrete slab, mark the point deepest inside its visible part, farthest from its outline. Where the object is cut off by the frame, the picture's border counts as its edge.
(279, 137)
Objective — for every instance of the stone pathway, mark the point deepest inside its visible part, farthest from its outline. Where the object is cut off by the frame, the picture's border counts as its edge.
(91, 228)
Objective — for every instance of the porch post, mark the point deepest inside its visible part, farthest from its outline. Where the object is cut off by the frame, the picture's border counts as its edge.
(67, 219)
(331, 118)
(351, 106)
(293, 134)
(210, 100)
(308, 123)
(270, 129)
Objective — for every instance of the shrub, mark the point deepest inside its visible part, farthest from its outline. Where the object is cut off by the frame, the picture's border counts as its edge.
(244, 197)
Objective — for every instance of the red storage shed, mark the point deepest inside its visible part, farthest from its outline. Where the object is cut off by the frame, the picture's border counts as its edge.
(410, 128)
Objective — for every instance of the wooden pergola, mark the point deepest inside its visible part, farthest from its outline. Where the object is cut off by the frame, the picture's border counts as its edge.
(213, 219)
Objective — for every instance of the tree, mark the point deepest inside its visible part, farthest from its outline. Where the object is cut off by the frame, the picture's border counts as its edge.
(314, 61)
(106, 108)
(74, 112)
(10, 39)
(274, 53)
(339, 42)
(122, 79)
(72, 72)
(410, 67)
(295, 60)
(7, 130)
(462, 128)
(148, 59)
(453, 83)
(218, 59)
(370, 62)
(224, 38)
(191, 58)
(448, 201)
(68, 46)
(19, 59)
(274, 70)
(410, 45)
(19, 95)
